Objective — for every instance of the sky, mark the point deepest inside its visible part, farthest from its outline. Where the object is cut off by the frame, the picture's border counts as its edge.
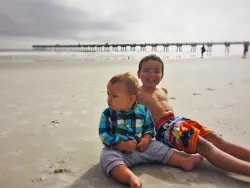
(27, 22)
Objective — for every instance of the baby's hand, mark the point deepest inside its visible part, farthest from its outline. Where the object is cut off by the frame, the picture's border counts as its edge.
(128, 146)
(143, 145)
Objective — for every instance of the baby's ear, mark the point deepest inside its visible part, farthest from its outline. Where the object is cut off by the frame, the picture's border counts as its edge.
(133, 98)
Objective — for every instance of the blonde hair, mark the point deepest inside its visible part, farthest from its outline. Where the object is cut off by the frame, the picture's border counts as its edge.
(129, 81)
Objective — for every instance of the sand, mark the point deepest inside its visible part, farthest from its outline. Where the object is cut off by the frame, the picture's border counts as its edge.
(50, 111)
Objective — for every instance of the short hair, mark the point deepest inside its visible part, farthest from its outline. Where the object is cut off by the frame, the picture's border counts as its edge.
(129, 81)
(151, 57)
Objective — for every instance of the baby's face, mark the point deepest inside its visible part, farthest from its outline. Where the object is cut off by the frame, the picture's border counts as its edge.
(118, 97)
(151, 73)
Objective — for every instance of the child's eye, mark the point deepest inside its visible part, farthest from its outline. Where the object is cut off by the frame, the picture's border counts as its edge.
(157, 71)
(115, 96)
(145, 70)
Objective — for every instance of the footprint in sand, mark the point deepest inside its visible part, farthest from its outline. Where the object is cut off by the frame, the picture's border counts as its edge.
(58, 166)
(196, 93)
(54, 123)
(63, 170)
(210, 89)
(172, 98)
(39, 179)
(62, 167)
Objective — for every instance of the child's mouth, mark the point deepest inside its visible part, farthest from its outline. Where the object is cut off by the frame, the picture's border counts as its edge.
(150, 80)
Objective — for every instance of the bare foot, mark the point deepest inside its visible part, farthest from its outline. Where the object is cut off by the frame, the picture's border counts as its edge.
(188, 163)
(135, 182)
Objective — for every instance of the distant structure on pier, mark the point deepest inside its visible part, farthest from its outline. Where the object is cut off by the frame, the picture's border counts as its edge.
(132, 46)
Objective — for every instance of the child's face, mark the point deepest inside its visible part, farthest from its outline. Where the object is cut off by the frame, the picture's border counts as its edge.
(150, 73)
(118, 97)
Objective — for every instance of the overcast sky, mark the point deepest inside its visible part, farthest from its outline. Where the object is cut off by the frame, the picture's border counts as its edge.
(27, 22)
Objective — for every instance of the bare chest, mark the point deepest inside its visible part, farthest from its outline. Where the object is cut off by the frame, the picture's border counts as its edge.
(149, 99)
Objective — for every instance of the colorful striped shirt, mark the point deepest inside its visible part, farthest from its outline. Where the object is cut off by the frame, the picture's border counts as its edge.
(125, 125)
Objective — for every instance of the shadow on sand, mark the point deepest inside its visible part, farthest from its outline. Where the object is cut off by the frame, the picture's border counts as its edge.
(152, 175)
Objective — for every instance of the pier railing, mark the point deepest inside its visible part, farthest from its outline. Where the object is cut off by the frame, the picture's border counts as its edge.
(132, 46)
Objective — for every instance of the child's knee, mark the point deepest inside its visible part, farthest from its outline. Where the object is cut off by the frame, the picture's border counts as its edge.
(109, 159)
(203, 145)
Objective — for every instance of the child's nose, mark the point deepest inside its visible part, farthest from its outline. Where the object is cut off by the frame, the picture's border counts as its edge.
(150, 72)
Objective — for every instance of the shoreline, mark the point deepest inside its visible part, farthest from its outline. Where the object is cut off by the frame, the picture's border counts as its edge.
(110, 56)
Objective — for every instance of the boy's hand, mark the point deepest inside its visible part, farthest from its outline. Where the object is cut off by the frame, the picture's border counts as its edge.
(128, 146)
(143, 145)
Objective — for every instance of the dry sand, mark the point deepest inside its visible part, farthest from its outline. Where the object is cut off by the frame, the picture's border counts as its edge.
(49, 116)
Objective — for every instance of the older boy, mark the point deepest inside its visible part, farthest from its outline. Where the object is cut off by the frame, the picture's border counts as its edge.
(182, 133)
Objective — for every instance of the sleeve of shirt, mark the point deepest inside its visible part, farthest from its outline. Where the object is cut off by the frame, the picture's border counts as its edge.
(105, 132)
(148, 127)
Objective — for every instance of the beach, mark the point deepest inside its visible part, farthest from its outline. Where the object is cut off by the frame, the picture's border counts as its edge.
(50, 112)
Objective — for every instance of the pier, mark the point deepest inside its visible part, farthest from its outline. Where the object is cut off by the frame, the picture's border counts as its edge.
(139, 46)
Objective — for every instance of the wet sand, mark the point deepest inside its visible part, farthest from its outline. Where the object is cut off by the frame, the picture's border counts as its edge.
(50, 111)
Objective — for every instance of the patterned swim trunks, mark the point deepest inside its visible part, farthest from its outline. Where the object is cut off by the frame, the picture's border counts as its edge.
(180, 133)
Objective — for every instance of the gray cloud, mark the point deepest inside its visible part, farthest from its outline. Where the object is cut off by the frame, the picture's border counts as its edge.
(48, 19)
(25, 22)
